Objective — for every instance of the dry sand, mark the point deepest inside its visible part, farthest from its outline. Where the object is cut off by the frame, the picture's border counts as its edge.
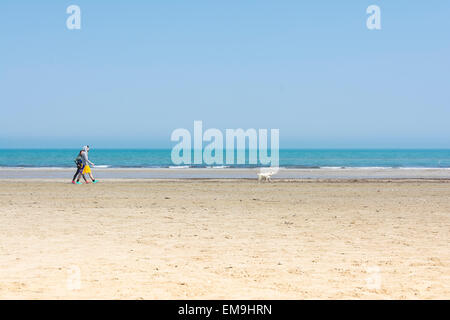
(225, 239)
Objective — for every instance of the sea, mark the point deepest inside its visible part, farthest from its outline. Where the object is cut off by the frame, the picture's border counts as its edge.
(289, 158)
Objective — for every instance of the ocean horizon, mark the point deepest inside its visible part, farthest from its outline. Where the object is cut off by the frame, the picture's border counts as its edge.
(289, 158)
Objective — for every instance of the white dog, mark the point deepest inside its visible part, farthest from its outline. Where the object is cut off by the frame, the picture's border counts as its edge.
(265, 174)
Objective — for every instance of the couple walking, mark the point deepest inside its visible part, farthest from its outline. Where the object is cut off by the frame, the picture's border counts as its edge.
(82, 162)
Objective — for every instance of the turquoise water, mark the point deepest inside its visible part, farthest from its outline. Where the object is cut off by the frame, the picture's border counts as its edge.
(290, 158)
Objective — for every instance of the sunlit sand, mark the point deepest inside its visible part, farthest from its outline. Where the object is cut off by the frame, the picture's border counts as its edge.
(224, 239)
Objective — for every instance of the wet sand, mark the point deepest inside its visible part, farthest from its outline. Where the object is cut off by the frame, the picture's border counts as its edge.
(224, 239)
(230, 173)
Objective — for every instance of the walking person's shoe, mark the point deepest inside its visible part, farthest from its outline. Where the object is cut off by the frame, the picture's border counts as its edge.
(78, 182)
(94, 181)
(74, 182)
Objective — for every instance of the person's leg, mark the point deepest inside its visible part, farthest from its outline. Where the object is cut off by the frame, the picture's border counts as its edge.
(76, 174)
(89, 172)
(79, 177)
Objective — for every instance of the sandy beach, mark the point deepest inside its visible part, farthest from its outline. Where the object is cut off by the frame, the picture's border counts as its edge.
(225, 239)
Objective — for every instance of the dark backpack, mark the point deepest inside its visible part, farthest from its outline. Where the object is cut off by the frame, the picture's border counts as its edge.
(78, 161)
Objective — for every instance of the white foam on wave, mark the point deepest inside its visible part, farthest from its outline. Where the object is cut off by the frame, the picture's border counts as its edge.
(423, 168)
(36, 168)
(369, 168)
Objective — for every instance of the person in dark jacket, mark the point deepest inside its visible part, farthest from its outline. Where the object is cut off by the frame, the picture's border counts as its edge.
(78, 174)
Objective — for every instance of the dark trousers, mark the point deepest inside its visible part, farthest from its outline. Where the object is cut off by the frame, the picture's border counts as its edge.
(79, 170)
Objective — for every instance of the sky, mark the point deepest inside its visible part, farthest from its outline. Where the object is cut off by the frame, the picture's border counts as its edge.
(137, 70)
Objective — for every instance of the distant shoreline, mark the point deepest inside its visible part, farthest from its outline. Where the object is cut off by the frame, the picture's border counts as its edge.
(288, 158)
(231, 173)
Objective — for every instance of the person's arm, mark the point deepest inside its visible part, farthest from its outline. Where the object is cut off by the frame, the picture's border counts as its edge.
(85, 157)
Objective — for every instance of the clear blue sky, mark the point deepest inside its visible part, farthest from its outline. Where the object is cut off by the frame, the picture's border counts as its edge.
(139, 69)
